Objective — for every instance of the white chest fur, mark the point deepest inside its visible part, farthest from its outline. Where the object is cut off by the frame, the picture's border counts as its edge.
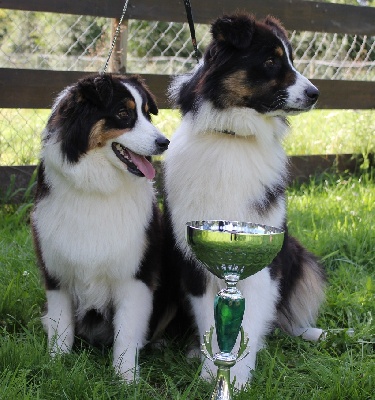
(213, 175)
(91, 241)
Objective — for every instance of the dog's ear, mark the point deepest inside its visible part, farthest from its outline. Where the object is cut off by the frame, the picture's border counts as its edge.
(276, 27)
(97, 89)
(151, 101)
(152, 106)
(236, 30)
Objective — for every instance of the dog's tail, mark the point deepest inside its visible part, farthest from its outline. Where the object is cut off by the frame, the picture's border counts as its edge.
(302, 287)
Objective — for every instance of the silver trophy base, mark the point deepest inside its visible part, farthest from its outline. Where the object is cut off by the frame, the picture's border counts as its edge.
(223, 387)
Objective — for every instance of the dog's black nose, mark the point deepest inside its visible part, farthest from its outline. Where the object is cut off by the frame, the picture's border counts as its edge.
(312, 93)
(162, 143)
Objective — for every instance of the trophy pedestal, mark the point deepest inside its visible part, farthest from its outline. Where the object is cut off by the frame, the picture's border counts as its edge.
(223, 388)
(232, 251)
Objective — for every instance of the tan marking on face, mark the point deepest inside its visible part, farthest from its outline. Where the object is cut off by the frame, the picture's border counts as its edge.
(290, 78)
(279, 51)
(146, 107)
(130, 104)
(99, 135)
(236, 87)
(268, 85)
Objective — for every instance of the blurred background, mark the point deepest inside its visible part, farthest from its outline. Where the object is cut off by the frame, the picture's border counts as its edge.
(64, 42)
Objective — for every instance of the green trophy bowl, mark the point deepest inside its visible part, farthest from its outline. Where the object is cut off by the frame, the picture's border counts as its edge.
(231, 251)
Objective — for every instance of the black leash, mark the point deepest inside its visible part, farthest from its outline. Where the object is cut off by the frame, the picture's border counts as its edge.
(190, 19)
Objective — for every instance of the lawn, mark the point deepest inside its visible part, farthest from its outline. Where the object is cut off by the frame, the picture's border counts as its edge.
(332, 215)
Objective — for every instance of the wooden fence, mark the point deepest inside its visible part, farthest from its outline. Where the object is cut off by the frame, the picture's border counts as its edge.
(26, 88)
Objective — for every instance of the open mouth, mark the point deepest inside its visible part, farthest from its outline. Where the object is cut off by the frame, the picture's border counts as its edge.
(293, 109)
(297, 110)
(135, 163)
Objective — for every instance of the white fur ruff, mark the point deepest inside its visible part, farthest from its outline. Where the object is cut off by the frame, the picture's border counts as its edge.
(234, 164)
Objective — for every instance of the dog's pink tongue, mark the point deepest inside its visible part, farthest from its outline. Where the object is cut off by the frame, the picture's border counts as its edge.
(143, 165)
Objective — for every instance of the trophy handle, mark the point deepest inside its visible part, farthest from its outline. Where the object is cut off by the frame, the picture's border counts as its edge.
(244, 349)
(206, 347)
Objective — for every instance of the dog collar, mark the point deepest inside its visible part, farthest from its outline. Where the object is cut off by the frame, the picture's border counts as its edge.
(226, 131)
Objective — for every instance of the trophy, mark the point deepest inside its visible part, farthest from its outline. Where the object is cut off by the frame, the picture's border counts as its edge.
(232, 251)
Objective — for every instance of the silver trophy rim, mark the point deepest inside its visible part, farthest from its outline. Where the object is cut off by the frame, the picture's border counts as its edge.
(269, 229)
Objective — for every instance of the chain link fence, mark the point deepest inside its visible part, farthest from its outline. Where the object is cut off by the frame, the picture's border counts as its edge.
(36, 40)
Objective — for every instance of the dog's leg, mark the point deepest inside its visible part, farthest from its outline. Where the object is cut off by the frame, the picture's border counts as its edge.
(59, 321)
(133, 305)
(203, 309)
(261, 294)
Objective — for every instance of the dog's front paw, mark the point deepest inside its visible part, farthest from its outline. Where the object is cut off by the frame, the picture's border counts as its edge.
(240, 375)
(57, 351)
(126, 370)
(127, 375)
(60, 345)
(208, 372)
(194, 352)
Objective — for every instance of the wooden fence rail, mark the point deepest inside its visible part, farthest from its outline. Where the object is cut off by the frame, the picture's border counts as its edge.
(296, 14)
(14, 181)
(28, 88)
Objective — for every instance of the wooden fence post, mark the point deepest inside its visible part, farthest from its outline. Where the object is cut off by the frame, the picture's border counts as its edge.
(119, 55)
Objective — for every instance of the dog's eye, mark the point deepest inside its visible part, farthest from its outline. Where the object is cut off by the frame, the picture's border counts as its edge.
(122, 113)
(270, 62)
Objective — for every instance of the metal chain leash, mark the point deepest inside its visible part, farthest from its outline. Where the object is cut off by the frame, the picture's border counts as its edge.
(115, 37)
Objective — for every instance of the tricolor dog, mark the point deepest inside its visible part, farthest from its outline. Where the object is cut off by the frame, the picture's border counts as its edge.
(96, 224)
(226, 162)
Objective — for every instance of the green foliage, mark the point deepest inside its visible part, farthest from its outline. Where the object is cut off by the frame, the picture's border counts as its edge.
(158, 42)
(332, 132)
(331, 215)
(20, 135)
(311, 46)
(32, 32)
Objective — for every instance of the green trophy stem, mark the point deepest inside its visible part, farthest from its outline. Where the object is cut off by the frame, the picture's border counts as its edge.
(229, 308)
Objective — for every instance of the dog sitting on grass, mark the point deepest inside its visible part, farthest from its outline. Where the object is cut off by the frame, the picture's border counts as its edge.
(96, 224)
(226, 162)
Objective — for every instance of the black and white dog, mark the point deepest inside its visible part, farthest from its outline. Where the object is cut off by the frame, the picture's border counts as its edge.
(96, 224)
(226, 162)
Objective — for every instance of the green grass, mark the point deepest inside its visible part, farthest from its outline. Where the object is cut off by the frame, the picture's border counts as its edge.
(20, 135)
(332, 132)
(316, 132)
(333, 216)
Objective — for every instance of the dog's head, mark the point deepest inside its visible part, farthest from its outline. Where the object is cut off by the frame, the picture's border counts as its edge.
(249, 64)
(110, 115)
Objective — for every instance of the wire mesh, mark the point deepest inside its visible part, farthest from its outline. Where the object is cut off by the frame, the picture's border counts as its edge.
(35, 40)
